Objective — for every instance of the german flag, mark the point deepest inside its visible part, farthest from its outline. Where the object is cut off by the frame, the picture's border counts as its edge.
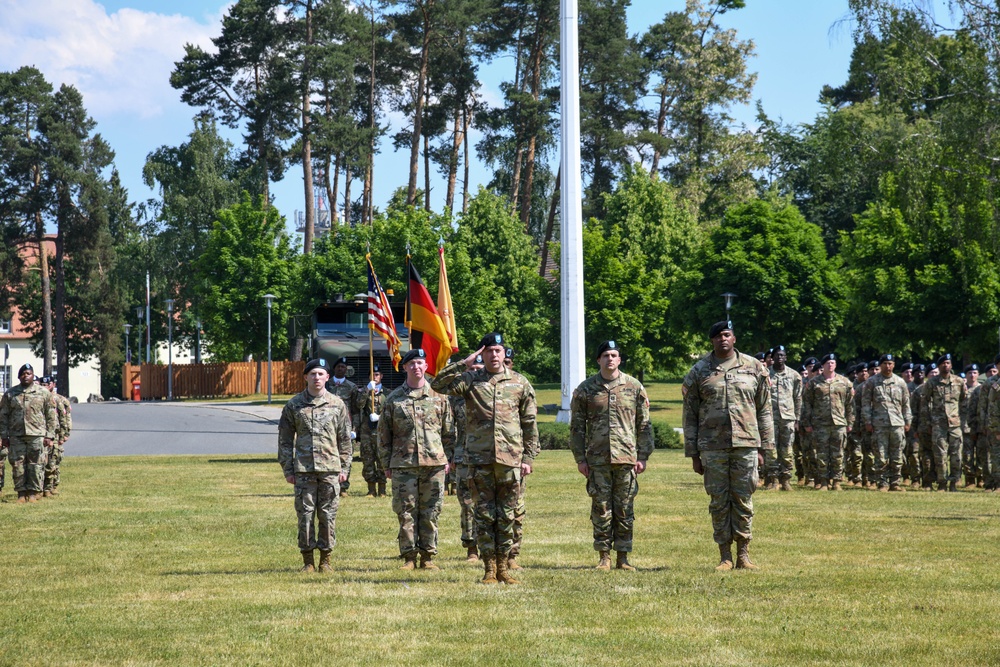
(427, 329)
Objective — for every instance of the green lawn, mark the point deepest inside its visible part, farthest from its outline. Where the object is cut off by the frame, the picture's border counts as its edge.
(191, 561)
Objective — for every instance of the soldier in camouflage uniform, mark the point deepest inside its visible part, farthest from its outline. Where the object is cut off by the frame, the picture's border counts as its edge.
(852, 455)
(28, 425)
(983, 441)
(339, 385)
(827, 413)
(314, 451)
(727, 421)
(611, 439)
(885, 408)
(944, 408)
(786, 407)
(925, 451)
(463, 476)
(515, 550)
(970, 464)
(992, 434)
(800, 444)
(500, 446)
(367, 405)
(416, 440)
(867, 443)
(64, 412)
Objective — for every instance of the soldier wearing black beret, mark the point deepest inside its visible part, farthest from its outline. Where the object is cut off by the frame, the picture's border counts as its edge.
(339, 385)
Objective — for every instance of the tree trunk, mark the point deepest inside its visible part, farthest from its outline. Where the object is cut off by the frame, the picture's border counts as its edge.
(550, 223)
(536, 79)
(43, 265)
(466, 119)
(456, 146)
(661, 123)
(265, 175)
(336, 188)
(331, 193)
(515, 181)
(427, 173)
(307, 176)
(367, 206)
(347, 193)
(62, 342)
(418, 111)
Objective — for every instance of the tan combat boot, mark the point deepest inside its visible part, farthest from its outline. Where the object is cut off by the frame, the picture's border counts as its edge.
(785, 486)
(46, 494)
(22, 497)
(725, 558)
(308, 562)
(490, 565)
(503, 573)
(427, 561)
(605, 562)
(896, 488)
(32, 497)
(512, 563)
(381, 489)
(743, 561)
(372, 491)
(472, 555)
(621, 563)
(409, 561)
(324, 561)
(836, 485)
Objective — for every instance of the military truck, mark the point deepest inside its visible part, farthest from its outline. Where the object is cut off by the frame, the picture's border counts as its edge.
(340, 329)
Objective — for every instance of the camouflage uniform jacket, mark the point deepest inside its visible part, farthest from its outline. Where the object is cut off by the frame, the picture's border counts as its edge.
(859, 392)
(828, 402)
(416, 429)
(28, 411)
(885, 402)
(365, 403)
(944, 401)
(983, 406)
(786, 394)
(972, 413)
(728, 404)
(609, 422)
(458, 420)
(314, 435)
(500, 414)
(64, 411)
(992, 407)
(919, 424)
(346, 391)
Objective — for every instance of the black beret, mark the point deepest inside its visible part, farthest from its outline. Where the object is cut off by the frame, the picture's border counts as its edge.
(607, 345)
(46, 379)
(873, 364)
(719, 327)
(811, 361)
(341, 360)
(508, 352)
(375, 368)
(828, 357)
(919, 367)
(778, 348)
(491, 339)
(760, 356)
(996, 359)
(26, 367)
(817, 367)
(988, 367)
(972, 367)
(886, 357)
(418, 353)
(908, 366)
(944, 357)
(316, 363)
(931, 366)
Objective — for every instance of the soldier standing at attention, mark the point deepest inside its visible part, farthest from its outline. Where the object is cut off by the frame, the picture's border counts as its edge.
(970, 464)
(727, 421)
(827, 413)
(852, 456)
(367, 404)
(943, 409)
(314, 450)
(611, 439)
(989, 377)
(885, 407)
(64, 413)
(415, 442)
(463, 475)
(500, 446)
(786, 407)
(28, 425)
(339, 385)
(801, 437)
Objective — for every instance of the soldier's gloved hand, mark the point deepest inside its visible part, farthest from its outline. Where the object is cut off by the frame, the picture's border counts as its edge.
(373, 418)
(354, 435)
(372, 386)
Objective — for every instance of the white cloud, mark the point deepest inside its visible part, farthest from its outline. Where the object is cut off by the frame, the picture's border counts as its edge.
(120, 62)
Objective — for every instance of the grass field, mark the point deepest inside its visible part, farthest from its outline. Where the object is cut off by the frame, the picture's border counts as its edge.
(191, 561)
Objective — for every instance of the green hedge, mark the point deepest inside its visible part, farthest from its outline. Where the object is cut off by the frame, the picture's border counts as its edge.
(556, 436)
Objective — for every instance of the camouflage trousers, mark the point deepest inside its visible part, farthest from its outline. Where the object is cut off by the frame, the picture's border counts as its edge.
(800, 435)
(416, 499)
(927, 470)
(612, 489)
(3, 466)
(984, 466)
(911, 457)
(808, 450)
(994, 461)
(852, 454)
(778, 461)
(970, 464)
(466, 504)
(316, 502)
(946, 444)
(515, 549)
(867, 457)
(55, 456)
(371, 467)
(496, 488)
(829, 452)
(730, 479)
(888, 443)
(27, 461)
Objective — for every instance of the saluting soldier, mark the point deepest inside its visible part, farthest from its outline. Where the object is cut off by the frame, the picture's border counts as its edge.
(786, 408)
(886, 413)
(28, 425)
(500, 446)
(515, 549)
(727, 421)
(367, 404)
(944, 409)
(828, 412)
(416, 440)
(314, 451)
(339, 385)
(611, 439)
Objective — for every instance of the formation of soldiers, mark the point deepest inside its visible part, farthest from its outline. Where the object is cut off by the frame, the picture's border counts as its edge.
(879, 427)
(35, 423)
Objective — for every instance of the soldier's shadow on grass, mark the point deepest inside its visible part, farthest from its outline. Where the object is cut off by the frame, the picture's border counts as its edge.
(268, 460)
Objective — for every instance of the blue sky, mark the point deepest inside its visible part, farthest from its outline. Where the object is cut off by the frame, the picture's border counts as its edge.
(120, 53)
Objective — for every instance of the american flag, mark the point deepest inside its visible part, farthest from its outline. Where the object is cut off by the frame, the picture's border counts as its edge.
(380, 315)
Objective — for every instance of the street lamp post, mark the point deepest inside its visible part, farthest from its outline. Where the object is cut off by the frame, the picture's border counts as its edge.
(170, 349)
(139, 313)
(268, 299)
(128, 350)
(728, 296)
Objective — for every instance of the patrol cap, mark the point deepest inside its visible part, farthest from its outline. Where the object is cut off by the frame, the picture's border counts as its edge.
(508, 352)
(943, 358)
(828, 357)
(886, 357)
(760, 356)
(873, 363)
(341, 360)
(414, 354)
(375, 368)
(491, 339)
(719, 327)
(316, 363)
(607, 345)
(26, 367)
(972, 367)
(908, 366)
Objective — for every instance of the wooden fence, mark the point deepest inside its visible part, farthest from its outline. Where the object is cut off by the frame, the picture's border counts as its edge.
(211, 380)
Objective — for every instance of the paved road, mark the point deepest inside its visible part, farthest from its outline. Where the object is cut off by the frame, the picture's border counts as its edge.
(120, 429)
